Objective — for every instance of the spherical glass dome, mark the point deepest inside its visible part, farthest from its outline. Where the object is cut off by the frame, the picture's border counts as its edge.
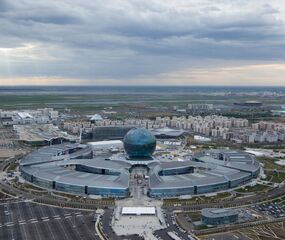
(139, 143)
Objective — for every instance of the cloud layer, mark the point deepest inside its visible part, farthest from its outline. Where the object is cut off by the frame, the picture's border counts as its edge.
(124, 41)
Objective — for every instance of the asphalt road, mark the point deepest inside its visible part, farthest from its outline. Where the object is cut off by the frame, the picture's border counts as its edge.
(276, 192)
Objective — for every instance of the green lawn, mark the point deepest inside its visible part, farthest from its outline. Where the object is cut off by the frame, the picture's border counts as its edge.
(275, 177)
(12, 167)
(195, 216)
(256, 188)
(196, 200)
(269, 163)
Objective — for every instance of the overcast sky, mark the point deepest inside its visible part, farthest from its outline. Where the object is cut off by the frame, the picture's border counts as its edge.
(142, 42)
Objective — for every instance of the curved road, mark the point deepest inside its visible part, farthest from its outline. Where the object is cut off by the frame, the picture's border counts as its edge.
(275, 193)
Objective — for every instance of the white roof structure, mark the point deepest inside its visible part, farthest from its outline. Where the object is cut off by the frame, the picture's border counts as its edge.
(255, 153)
(96, 117)
(108, 144)
(170, 132)
(41, 132)
(24, 115)
(201, 138)
(138, 211)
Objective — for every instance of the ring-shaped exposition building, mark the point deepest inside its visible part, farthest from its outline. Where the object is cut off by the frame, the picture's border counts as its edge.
(207, 172)
(72, 168)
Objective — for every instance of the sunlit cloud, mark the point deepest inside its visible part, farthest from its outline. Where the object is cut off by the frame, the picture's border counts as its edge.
(29, 52)
(251, 75)
(41, 81)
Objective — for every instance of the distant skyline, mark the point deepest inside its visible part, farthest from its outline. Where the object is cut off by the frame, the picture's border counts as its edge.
(135, 42)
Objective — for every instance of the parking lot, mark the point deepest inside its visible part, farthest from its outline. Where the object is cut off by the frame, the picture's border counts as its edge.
(270, 209)
(171, 227)
(26, 220)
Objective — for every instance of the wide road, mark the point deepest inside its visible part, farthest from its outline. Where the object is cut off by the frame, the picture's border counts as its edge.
(275, 193)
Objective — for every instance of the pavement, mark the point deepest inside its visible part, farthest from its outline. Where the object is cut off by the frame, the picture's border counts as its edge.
(142, 225)
(106, 224)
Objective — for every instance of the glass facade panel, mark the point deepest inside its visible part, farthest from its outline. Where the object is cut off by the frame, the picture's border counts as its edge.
(139, 143)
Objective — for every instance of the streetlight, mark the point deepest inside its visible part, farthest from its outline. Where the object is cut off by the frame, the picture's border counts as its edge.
(73, 221)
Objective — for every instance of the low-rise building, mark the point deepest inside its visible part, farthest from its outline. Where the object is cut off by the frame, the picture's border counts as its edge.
(218, 216)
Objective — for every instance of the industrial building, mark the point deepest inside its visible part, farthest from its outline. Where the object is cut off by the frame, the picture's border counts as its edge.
(42, 134)
(39, 116)
(248, 104)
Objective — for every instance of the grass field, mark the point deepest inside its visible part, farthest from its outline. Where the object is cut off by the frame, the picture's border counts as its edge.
(12, 167)
(256, 188)
(196, 200)
(269, 163)
(275, 177)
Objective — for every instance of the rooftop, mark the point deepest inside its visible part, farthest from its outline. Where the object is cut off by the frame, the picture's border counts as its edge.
(217, 212)
(41, 132)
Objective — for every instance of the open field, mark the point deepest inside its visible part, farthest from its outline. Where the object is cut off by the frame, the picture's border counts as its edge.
(269, 163)
(275, 177)
(88, 102)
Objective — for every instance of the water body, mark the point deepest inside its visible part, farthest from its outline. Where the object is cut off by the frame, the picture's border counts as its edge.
(71, 90)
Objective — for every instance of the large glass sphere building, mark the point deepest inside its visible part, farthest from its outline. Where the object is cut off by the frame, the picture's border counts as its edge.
(139, 143)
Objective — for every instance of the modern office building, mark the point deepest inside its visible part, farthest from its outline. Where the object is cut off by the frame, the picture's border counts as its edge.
(166, 132)
(219, 216)
(110, 132)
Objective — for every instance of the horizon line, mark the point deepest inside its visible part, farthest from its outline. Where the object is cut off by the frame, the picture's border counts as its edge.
(131, 85)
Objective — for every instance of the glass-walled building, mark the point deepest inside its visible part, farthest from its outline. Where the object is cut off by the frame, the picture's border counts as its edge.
(217, 216)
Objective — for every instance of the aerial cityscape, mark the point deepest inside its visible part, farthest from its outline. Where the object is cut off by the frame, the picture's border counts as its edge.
(151, 120)
(175, 167)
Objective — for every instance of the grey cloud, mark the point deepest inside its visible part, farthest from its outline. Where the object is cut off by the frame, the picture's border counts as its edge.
(60, 20)
(129, 38)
